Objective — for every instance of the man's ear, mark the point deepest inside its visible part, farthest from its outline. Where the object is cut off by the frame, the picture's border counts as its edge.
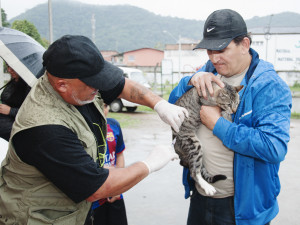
(245, 45)
(61, 85)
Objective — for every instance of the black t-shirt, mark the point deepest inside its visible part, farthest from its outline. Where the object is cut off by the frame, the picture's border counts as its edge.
(110, 95)
(58, 153)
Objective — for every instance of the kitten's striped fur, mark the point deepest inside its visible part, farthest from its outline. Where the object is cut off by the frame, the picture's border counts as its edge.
(187, 145)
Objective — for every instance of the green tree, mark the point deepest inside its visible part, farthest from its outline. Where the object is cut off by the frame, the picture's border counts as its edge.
(29, 29)
(4, 19)
(46, 42)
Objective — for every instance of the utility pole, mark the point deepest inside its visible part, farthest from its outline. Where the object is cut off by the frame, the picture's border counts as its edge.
(268, 35)
(1, 61)
(50, 21)
(179, 51)
(93, 21)
(179, 57)
(0, 14)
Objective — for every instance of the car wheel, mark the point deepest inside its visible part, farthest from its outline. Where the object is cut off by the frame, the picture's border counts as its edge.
(116, 106)
(131, 109)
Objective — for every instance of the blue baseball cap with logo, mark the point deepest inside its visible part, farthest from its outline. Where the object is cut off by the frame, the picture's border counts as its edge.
(220, 28)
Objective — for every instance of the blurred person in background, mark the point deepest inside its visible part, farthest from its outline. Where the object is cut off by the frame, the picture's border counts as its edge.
(12, 97)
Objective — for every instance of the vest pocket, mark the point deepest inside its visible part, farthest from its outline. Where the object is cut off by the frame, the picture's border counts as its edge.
(52, 216)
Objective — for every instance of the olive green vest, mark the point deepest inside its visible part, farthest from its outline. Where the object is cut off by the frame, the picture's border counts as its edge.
(26, 195)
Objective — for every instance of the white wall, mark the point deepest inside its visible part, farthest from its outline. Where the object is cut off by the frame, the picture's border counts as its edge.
(283, 50)
(189, 60)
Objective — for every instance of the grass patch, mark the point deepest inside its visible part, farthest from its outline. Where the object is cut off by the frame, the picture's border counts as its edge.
(295, 115)
(168, 88)
(295, 87)
(142, 108)
(124, 120)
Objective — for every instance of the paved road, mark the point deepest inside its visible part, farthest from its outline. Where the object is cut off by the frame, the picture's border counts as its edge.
(289, 173)
(158, 200)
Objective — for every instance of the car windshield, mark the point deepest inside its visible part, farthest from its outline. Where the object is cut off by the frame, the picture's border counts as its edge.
(138, 77)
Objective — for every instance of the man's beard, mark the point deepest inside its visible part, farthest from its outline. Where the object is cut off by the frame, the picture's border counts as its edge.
(80, 102)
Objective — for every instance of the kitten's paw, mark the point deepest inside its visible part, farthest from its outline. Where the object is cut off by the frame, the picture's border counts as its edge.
(209, 189)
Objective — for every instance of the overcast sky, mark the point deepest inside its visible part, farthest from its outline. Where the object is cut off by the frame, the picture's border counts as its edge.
(188, 9)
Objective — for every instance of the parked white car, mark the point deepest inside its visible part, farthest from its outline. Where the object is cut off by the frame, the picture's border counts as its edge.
(133, 74)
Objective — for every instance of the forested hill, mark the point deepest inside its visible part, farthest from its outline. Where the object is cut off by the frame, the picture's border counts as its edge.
(125, 27)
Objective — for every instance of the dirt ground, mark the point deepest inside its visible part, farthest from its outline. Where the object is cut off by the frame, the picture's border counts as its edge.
(159, 199)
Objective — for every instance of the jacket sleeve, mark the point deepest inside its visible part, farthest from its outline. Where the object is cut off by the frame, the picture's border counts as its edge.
(13, 112)
(183, 86)
(263, 131)
(180, 89)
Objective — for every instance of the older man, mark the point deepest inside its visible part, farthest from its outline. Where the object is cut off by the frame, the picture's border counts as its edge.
(53, 168)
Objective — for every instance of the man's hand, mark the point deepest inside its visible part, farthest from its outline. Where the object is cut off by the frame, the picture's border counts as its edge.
(113, 199)
(4, 109)
(201, 80)
(160, 156)
(209, 116)
(171, 114)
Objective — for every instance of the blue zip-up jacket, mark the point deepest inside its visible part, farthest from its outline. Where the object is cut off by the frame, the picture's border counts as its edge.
(258, 135)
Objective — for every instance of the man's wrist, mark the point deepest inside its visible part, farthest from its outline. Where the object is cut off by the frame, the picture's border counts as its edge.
(158, 103)
(214, 122)
(147, 165)
(221, 127)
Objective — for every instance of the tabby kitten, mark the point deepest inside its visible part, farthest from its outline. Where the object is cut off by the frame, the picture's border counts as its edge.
(187, 145)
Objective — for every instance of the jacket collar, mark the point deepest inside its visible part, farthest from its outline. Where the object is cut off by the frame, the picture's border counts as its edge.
(253, 64)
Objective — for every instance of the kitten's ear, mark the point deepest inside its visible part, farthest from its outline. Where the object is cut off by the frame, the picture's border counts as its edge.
(216, 89)
(238, 88)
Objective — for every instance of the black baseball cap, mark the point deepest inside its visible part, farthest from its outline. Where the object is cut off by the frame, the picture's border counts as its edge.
(220, 28)
(75, 56)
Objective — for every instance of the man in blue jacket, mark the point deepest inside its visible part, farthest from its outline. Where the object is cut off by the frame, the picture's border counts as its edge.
(249, 149)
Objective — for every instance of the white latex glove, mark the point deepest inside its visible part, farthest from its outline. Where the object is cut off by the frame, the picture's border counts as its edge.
(159, 157)
(171, 114)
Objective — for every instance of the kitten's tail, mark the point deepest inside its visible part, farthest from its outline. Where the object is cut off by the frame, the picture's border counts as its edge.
(209, 178)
